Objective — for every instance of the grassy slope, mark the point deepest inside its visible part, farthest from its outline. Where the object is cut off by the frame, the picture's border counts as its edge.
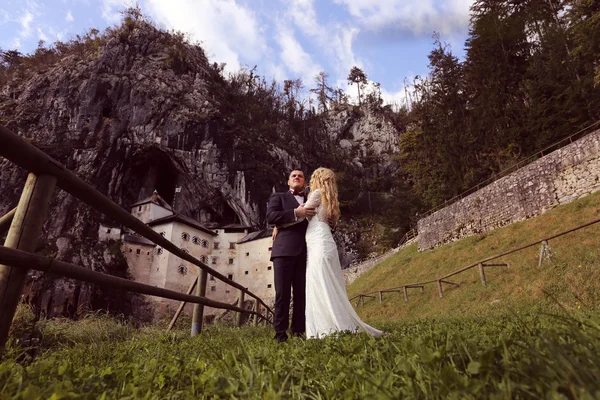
(569, 280)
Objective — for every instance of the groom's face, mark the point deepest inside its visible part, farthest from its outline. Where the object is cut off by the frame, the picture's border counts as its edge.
(296, 180)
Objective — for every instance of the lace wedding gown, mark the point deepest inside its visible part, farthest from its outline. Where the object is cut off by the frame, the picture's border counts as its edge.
(328, 309)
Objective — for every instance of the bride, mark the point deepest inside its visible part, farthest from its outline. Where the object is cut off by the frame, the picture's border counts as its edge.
(328, 309)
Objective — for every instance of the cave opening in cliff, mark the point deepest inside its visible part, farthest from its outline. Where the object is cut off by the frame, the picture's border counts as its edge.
(149, 171)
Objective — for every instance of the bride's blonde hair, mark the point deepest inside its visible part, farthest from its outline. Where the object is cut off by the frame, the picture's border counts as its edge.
(324, 179)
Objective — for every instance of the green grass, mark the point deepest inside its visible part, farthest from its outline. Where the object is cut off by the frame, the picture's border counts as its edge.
(532, 332)
(569, 281)
(509, 357)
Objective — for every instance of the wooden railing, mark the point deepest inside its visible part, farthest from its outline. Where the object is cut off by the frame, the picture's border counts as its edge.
(410, 235)
(26, 220)
(481, 265)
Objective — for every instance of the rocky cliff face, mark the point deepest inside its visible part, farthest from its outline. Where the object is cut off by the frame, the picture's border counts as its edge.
(138, 109)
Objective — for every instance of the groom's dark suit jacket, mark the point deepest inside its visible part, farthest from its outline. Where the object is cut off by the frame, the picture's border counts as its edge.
(290, 240)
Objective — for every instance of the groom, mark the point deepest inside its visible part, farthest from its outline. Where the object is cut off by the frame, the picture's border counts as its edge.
(289, 254)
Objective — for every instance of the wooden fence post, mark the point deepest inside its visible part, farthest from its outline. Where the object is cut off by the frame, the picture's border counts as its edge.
(239, 316)
(482, 274)
(380, 297)
(6, 220)
(405, 294)
(23, 234)
(181, 305)
(544, 251)
(256, 309)
(198, 313)
(439, 284)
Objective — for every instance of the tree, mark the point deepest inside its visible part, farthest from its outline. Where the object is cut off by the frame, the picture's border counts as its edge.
(11, 58)
(359, 77)
(323, 91)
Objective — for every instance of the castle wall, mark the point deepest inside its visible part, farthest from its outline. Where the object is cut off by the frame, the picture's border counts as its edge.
(557, 178)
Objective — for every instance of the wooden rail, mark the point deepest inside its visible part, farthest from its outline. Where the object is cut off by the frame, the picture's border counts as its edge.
(481, 264)
(30, 214)
(25, 260)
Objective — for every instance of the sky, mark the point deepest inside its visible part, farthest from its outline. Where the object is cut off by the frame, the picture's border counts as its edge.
(285, 39)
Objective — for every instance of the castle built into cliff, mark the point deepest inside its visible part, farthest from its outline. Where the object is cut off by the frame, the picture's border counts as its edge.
(236, 251)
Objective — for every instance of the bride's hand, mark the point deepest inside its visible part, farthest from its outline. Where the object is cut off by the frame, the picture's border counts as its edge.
(275, 231)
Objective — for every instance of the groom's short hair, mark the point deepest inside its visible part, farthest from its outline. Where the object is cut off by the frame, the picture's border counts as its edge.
(297, 169)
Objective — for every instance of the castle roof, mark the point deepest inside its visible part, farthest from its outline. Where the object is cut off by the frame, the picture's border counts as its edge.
(156, 199)
(263, 233)
(184, 220)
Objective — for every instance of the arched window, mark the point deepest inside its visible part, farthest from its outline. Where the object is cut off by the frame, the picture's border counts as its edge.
(204, 259)
(185, 236)
(182, 269)
(158, 250)
(163, 234)
(205, 243)
(186, 251)
(196, 240)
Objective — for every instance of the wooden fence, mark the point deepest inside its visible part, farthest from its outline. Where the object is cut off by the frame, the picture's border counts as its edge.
(26, 220)
(481, 265)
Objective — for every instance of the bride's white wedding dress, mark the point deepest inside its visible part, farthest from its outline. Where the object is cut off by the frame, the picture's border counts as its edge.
(328, 309)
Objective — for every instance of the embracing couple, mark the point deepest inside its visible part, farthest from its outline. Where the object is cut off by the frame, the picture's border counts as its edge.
(305, 259)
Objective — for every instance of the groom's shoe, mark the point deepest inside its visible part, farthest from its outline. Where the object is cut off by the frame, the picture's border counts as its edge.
(281, 338)
(298, 335)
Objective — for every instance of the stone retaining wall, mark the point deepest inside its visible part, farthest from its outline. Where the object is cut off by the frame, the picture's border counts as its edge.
(558, 178)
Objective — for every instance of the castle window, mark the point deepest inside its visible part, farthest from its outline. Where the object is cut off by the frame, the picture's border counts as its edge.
(108, 230)
(186, 251)
(269, 268)
(130, 250)
(196, 240)
(185, 236)
(216, 245)
(148, 253)
(247, 254)
(214, 260)
(140, 208)
(232, 245)
(270, 249)
(138, 251)
(204, 259)
(182, 269)
(158, 250)
(246, 273)
(211, 278)
(163, 234)
(213, 288)
(230, 276)
(269, 286)
(227, 291)
(231, 261)
(205, 243)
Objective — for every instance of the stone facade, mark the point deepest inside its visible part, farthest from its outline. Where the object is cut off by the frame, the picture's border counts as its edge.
(231, 250)
(557, 178)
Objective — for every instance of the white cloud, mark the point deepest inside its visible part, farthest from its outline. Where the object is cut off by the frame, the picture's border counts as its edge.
(337, 38)
(227, 30)
(294, 57)
(4, 18)
(341, 40)
(111, 9)
(302, 12)
(417, 17)
(69, 16)
(42, 35)
(25, 22)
